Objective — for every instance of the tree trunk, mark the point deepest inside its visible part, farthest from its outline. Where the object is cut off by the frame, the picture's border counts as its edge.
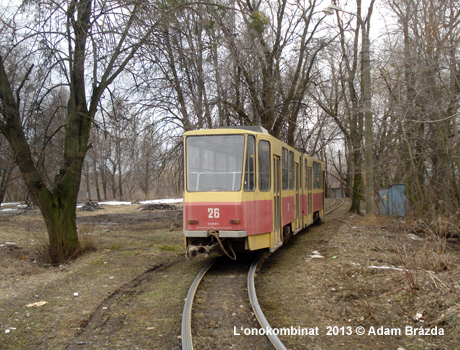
(356, 188)
(6, 175)
(3, 185)
(88, 187)
(147, 176)
(60, 219)
(120, 182)
(96, 178)
(114, 188)
(356, 137)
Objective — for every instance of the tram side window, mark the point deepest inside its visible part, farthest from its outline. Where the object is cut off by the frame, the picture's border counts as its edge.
(306, 175)
(249, 175)
(264, 165)
(287, 163)
(284, 165)
(291, 170)
(317, 176)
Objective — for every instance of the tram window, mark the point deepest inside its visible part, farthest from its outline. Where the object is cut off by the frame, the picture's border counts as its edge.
(291, 170)
(221, 163)
(264, 165)
(287, 163)
(306, 175)
(317, 176)
(249, 175)
(208, 159)
(214, 162)
(284, 165)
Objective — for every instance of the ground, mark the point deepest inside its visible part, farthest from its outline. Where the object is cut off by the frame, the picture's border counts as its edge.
(346, 272)
(351, 272)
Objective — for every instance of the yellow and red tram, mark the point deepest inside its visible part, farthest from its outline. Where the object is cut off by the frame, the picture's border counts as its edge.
(246, 190)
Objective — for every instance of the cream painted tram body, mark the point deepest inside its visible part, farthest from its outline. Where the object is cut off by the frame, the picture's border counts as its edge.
(246, 190)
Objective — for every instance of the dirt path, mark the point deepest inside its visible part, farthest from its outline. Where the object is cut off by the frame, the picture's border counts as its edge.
(128, 294)
(141, 314)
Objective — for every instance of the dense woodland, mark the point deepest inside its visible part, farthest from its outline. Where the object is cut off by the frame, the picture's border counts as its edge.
(95, 95)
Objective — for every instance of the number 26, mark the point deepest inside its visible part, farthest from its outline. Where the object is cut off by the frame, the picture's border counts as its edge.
(213, 213)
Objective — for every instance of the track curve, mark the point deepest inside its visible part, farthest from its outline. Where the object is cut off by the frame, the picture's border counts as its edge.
(186, 334)
(277, 343)
(334, 208)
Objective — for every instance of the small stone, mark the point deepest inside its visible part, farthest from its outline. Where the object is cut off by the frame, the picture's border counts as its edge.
(37, 304)
(317, 256)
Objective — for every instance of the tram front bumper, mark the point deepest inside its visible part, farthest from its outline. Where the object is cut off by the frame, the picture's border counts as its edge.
(221, 234)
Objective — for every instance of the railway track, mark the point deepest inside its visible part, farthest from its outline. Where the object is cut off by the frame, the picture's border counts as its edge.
(220, 305)
(186, 333)
(334, 208)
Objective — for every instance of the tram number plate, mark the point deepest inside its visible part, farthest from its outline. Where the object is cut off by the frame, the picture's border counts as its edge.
(213, 213)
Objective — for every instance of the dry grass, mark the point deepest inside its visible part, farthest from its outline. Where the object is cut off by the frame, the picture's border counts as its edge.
(343, 289)
(132, 249)
(124, 286)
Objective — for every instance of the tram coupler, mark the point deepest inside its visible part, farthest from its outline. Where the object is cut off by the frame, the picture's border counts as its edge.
(201, 250)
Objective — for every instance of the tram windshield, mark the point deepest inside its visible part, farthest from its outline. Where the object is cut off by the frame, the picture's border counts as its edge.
(214, 162)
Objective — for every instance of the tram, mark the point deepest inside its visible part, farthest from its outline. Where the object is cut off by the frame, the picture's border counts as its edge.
(245, 190)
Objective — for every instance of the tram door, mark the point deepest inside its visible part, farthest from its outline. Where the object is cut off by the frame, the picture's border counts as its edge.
(297, 197)
(277, 222)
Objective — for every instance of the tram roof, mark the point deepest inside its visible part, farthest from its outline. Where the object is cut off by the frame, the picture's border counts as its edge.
(229, 130)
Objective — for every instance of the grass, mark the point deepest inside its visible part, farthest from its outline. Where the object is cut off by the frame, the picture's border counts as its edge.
(124, 252)
(116, 246)
(139, 274)
(175, 248)
(344, 291)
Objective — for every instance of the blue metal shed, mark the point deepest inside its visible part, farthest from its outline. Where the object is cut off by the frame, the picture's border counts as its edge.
(393, 201)
(383, 202)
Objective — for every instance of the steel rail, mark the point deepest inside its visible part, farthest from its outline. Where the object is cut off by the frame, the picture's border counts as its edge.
(277, 343)
(186, 333)
(331, 210)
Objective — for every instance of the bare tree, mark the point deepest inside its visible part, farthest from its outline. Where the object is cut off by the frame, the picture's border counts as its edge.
(236, 63)
(84, 45)
(274, 53)
(345, 95)
(426, 103)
